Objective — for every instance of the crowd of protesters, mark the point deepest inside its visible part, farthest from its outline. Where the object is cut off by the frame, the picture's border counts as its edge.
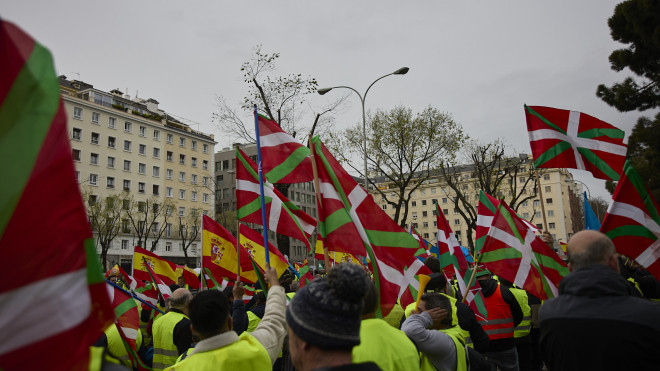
(606, 316)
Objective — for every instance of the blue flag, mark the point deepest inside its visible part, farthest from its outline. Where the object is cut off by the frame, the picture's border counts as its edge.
(590, 219)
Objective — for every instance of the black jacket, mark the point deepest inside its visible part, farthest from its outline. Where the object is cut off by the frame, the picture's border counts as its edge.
(468, 322)
(488, 287)
(596, 324)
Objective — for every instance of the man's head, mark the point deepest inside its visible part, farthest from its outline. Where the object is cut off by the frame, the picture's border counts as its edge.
(182, 282)
(432, 300)
(209, 314)
(437, 283)
(324, 315)
(591, 247)
(295, 286)
(180, 299)
(260, 298)
(113, 279)
(433, 264)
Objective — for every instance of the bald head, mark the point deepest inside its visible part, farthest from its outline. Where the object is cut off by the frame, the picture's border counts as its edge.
(591, 247)
(180, 299)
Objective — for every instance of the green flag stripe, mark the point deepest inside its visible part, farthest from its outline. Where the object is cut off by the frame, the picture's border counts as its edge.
(602, 132)
(486, 202)
(551, 153)
(246, 165)
(531, 111)
(637, 182)
(551, 263)
(391, 239)
(512, 224)
(631, 230)
(26, 115)
(124, 307)
(288, 165)
(500, 254)
(479, 243)
(445, 259)
(94, 271)
(544, 280)
(251, 207)
(336, 220)
(599, 163)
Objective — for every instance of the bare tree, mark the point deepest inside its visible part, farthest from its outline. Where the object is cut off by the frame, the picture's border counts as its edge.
(104, 218)
(188, 230)
(147, 219)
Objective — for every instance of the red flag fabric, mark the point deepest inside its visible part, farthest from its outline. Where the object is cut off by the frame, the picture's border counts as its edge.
(164, 289)
(571, 139)
(127, 320)
(162, 268)
(284, 159)
(219, 253)
(632, 221)
(53, 294)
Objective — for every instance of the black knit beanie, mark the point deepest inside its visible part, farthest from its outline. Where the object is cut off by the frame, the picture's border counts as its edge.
(326, 312)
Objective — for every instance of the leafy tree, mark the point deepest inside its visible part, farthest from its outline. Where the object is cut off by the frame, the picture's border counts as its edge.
(401, 148)
(635, 23)
(495, 172)
(188, 230)
(644, 152)
(104, 218)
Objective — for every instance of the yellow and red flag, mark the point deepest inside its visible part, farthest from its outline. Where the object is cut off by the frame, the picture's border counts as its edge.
(188, 275)
(162, 268)
(219, 253)
(253, 241)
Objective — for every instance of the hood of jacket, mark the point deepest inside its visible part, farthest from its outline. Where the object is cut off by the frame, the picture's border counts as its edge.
(595, 280)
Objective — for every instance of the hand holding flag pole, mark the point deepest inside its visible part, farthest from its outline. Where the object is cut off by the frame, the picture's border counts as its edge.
(261, 189)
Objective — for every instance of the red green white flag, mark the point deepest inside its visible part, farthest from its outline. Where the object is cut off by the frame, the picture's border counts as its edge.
(54, 301)
(632, 221)
(570, 139)
(348, 214)
(127, 320)
(514, 252)
(284, 217)
(284, 159)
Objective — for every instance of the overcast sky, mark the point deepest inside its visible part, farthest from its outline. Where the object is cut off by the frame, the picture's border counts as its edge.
(478, 60)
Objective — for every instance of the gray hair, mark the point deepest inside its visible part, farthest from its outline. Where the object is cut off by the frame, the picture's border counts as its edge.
(180, 302)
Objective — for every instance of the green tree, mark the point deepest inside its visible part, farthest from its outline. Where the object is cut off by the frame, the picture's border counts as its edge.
(644, 152)
(401, 148)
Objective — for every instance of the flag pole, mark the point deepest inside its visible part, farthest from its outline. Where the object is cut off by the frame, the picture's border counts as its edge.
(261, 187)
(474, 274)
(318, 203)
(538, 187)
(146, 265)
(201, 286)
(133, 295)
(238, 223)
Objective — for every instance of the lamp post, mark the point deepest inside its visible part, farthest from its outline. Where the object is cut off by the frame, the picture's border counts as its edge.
(400, 71)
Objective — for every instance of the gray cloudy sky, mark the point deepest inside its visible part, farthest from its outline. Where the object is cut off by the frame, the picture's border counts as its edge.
(478, 60)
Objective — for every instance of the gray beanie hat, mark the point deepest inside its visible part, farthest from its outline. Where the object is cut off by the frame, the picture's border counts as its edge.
(326, 312)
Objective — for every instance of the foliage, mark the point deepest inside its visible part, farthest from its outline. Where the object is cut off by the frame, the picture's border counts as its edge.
(644, 152)
(635, 23)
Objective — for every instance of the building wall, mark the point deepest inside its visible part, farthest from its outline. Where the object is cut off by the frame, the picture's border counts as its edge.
(119, 151)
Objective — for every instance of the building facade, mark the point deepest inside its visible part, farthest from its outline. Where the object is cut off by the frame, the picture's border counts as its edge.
(301, 194)
(135, 151)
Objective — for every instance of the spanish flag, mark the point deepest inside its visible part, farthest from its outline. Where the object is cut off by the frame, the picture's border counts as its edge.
(162, 268)
(219, 253)
(253, 241)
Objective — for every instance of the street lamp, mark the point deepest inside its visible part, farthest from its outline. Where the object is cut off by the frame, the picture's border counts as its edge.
(400, 71)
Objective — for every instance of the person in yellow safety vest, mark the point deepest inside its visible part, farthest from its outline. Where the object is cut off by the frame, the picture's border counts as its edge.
(100, 360)
(219, 347)
(521, 333)
(430, 327)
(257, 312)
(324, 321)
(295, 286)
(382, 344)
(116, 346)
(171, 332)
(182, 283)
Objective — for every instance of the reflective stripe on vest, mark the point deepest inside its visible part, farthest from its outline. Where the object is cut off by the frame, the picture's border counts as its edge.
(525, 326)
(165, 352)
(499, 324)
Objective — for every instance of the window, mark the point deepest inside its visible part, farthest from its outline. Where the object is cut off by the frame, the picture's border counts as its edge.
(77, 113)
(128, 127)
(182, 142)
(143, 131)
(77, 176)
(423, 202)
(205, 164)
(111, 162)
(156, 192)
(425, 214)
(182, 159)
(95, 138)
(193, 178)
(193, 145)
(414, 215)
(127, 185)
(182, 194)
(156, 152)
(168, 173)
(125, 227)
(193, 162)
(169, 191)
(182, 211)
(112, 122)
(127, 165)
(205, 148)
(445, 211)
(193, 196)
(444, 200)
(193, 248)
(457, 221)
(77, 133)
(156, 134)
(93, 179)
(384, 207)
(539, 226)
(525, 216)
(126, 204)
(168, 246)
(225, 165)
(551, 225)
(551, 213)
(124, 244)
(537, 214)
(182, 176)
(205, 198)
(141, 187)
(127, 145)
(414, 203)
(168, 226)
(169, 156)
(546, 177)
(76, 155)
(548, 189)
(142, 168)
(110, 182)
(537, 203)
(524, 204)
(170, 138)
(156, 171)
(94, 158)
(425, 225)
(521, 179)
(205, 181)
(95, 117)
(142, 149)
(548, 201)
(111, 142)
(464, 186)
(92, 199)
